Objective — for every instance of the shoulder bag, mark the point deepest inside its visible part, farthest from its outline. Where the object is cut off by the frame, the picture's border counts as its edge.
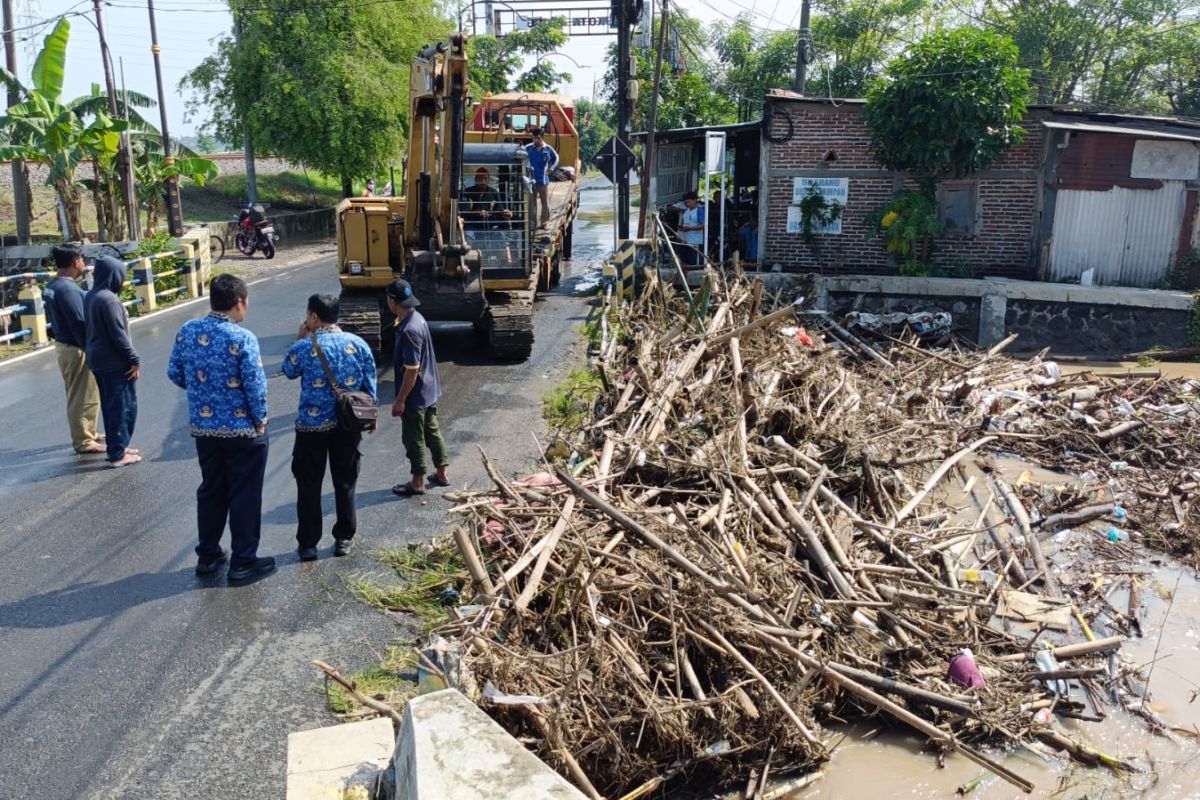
(355, 411)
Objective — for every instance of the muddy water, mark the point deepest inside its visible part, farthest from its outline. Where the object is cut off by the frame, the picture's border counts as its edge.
(1168, 369)
(593, 238)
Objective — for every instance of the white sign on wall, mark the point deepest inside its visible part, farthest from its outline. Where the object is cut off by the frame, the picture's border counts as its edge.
(1165, 160)
(834, 190)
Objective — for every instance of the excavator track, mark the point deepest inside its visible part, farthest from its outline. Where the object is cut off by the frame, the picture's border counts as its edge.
(362, 315)
(508, 325)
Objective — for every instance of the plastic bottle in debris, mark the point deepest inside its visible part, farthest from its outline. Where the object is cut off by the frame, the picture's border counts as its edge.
(970, 575)
(1117, 535)
(1048, 663)
(1118, 513)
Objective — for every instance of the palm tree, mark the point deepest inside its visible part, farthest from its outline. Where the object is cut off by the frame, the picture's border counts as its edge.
(45, 130)
(153, 172)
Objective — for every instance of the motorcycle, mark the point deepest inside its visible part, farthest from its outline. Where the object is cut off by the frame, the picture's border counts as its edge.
(255, 232)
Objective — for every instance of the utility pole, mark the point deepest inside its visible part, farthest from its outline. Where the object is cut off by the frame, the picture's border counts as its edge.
(20, 179)
(247, 144)
(649, 181)
(124, 166)
(622, 8)
(802, 49)
(174, 209)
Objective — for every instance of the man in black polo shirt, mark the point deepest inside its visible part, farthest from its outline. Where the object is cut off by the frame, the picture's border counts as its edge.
(64, 306)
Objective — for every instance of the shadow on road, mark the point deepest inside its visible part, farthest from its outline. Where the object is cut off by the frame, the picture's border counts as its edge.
(95, 600)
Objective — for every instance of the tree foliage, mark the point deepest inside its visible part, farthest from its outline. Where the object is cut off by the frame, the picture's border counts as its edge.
(689, 97)
(43, 128)
(753, 61)
(496, 61)
(1108, 55)
(596, 125)
(949, 106)
(323, 84)
(853, 39)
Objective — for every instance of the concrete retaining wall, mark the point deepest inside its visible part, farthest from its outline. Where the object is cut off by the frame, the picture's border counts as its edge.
(289, 225)
(1070, 319)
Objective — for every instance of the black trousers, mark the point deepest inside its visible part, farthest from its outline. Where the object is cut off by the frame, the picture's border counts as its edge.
(231, 486)
(309, 454)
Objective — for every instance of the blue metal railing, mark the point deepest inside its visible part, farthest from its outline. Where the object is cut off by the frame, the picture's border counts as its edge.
(137, 280)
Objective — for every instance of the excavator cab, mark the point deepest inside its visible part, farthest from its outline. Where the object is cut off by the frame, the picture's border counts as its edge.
(494, 207)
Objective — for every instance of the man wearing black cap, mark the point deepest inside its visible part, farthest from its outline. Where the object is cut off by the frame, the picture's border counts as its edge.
(418, 388)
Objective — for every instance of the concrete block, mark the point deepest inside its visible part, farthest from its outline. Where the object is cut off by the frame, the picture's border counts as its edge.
(449, 748)
(323, 764)
(992, 310)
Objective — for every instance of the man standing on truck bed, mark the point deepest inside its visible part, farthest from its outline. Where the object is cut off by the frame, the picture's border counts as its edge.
(542, 162)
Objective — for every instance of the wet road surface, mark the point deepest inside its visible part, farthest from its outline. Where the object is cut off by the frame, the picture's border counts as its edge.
(123, 675)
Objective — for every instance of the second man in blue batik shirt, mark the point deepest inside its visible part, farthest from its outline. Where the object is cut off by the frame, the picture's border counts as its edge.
(318, 436)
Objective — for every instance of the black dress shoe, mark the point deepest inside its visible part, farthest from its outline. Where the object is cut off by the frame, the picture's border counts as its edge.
(252, 571)
(341, 547)
(207, 566)
(307, 553)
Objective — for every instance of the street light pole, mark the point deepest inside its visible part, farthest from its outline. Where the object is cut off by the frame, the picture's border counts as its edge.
(124, 166)
(174, 209)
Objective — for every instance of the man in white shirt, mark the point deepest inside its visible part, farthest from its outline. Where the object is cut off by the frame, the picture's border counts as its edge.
(691, 231)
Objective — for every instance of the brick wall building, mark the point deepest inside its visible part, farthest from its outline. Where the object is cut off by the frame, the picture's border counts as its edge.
(994, 218)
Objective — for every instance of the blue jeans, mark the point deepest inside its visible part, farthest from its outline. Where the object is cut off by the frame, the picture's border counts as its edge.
(231, 482)
(118, 406)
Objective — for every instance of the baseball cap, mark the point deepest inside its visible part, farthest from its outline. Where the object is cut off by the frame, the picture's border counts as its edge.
(400, 291)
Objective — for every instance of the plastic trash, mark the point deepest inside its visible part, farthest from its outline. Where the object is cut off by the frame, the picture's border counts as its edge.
(964, 671)
(1117, 535)
(449, 596)
(1117, 466)
(1048, 663)
(1042, 717)
(977, 576)
(1118, 513)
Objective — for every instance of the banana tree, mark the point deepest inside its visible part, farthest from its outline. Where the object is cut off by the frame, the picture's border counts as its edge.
(45, 130)
(153, 174)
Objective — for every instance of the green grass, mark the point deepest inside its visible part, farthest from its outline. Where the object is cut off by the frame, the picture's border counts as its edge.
(422, 576)
(390, 681)
(567, 405)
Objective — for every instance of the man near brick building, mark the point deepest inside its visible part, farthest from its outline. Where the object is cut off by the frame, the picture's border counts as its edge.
(64, 306)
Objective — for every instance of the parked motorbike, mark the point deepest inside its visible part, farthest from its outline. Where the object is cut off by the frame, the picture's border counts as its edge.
(255, 232)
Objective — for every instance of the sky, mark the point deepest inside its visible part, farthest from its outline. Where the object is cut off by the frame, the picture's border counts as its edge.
(188, 28)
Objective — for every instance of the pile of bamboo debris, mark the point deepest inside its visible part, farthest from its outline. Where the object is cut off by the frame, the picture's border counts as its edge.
(776, 524)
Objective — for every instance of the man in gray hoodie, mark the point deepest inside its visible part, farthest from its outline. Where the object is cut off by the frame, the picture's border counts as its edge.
(112, 359)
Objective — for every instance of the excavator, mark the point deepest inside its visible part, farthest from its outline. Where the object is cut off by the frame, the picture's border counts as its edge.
(462, 232)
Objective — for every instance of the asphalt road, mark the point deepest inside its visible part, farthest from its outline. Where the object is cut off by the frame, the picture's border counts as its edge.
(122, 675)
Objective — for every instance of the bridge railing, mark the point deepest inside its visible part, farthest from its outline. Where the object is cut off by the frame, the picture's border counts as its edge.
(27, 319)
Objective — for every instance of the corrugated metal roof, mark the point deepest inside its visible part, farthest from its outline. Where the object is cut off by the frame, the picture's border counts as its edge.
(686, 134)
(1147, 132)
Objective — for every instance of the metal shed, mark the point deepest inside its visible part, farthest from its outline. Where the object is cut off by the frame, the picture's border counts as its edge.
(1124, 198)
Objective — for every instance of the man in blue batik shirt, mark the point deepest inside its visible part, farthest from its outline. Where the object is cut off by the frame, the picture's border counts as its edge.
(319, 438)
(542, 161)
(217, 362)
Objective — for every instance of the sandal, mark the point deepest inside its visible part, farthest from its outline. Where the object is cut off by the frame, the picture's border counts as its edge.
(129, 458)
(436, 481)
(406, 490)
(91, 451)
